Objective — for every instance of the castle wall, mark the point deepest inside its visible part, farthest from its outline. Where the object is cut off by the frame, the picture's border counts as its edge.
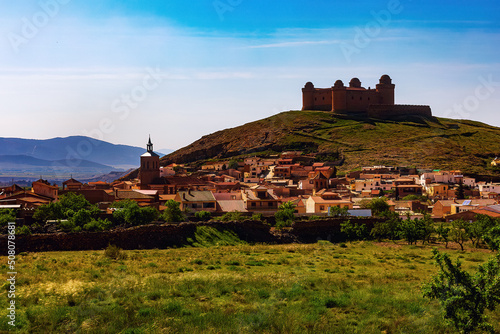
(385, 111)
(322, 99)
(358, 100)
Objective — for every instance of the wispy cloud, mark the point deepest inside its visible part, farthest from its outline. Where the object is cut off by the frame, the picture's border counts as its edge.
(292, 44)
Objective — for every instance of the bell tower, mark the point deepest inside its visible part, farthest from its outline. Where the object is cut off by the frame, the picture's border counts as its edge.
(150, 166)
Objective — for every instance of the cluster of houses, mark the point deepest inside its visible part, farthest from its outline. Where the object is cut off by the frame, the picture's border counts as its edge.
(260, 185)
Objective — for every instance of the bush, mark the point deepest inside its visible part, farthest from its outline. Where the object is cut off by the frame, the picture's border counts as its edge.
(463, 296)
(23, 230)
(98, 225)
(232, 216)
(203, 215)
(6, 216)
(129, 212)
(115, 253)
(258, 217)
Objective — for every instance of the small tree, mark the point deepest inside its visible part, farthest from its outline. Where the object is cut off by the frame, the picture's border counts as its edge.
(463, 296)
(173, 212)
(410, 230)
(336, 211)
(478, 229)
(285, 214)
(444, 234)
(459, 232)
(378, 206)
(388, 228)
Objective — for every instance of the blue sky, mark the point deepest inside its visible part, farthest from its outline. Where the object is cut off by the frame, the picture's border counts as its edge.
(121, 70)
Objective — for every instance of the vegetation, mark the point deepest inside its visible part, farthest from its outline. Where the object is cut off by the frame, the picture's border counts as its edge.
(6, 216)
(203, 215)
(285, 215)
(378, 206)
(463, 296)
(362, 287)
(129, 212)
(173, 213)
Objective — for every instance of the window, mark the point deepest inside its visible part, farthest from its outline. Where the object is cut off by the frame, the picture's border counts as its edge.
(322, 207)
(269, 203)
(254, 204)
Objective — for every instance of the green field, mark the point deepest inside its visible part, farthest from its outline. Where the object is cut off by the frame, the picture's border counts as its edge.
(360, 287)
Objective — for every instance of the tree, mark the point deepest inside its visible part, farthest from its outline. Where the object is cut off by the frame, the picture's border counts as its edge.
(479, 228)
(460, 190)
(492, 238)
(233, 164)
(463, 296)
(444, 234)
(354, 231)
(336, 211)
(173, 212)
(388, 228)
(129, 212)
(378, 206)
(459, 232)
(285, 214)
(6, 216)
(410, 230)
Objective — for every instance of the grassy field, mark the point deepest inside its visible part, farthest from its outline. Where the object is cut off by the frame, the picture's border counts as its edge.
(361, 287)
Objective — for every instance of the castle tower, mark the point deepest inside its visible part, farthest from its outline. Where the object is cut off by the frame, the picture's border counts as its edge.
(385, 90)
(150, 166)
(308, 96)
(339, 99)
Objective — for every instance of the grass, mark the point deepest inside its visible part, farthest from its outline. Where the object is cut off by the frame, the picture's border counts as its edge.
(314, 288)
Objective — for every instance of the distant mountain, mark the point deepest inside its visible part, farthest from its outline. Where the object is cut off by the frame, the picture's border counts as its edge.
(74, 150)
(9, 161)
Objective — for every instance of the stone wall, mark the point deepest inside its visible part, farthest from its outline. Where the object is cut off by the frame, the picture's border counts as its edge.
(176, 235)
(388, 111)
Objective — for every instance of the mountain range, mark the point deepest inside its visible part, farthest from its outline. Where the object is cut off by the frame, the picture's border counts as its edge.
(59, 158)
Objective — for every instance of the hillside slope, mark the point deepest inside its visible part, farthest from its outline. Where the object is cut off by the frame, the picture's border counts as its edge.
(412, 141)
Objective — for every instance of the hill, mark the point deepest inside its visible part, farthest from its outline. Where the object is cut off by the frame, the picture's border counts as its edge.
(73, 148)
(410, 141)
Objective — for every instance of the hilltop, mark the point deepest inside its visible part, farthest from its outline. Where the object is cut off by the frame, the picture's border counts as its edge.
(410, 141)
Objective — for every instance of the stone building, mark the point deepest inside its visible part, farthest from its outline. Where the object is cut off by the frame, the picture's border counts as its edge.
(375, 102)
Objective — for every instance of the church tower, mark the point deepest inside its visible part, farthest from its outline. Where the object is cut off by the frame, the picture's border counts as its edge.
(150, 166)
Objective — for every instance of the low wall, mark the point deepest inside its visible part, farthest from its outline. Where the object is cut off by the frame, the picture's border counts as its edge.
(384, 111)
(170, 235)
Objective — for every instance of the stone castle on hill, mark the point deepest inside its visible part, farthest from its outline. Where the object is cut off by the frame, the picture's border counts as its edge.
(375, 103)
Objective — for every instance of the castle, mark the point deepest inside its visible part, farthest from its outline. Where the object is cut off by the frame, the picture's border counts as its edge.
(375, 103)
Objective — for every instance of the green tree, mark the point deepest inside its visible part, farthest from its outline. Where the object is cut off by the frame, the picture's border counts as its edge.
(390, 227)
(336, 211)
(460, 193)
(354, 231)
(378, 206)
(459, 232)
(285, 214)
(478, 229)
(463, 296)
(7, 215)
(173, 212)
(233, 164)
(492, 238)
(410, 230)
(444, 234)
(129, 212)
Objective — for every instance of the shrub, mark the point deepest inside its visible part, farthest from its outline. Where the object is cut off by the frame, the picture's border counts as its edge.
(203, 215)
(23, 230)
(98, 225)
(115, 253)
(231, 216)
(258, 217)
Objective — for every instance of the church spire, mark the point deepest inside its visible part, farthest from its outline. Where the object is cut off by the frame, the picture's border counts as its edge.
(150, 145)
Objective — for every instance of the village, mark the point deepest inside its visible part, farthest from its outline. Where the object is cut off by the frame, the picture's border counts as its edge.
(259, 185)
